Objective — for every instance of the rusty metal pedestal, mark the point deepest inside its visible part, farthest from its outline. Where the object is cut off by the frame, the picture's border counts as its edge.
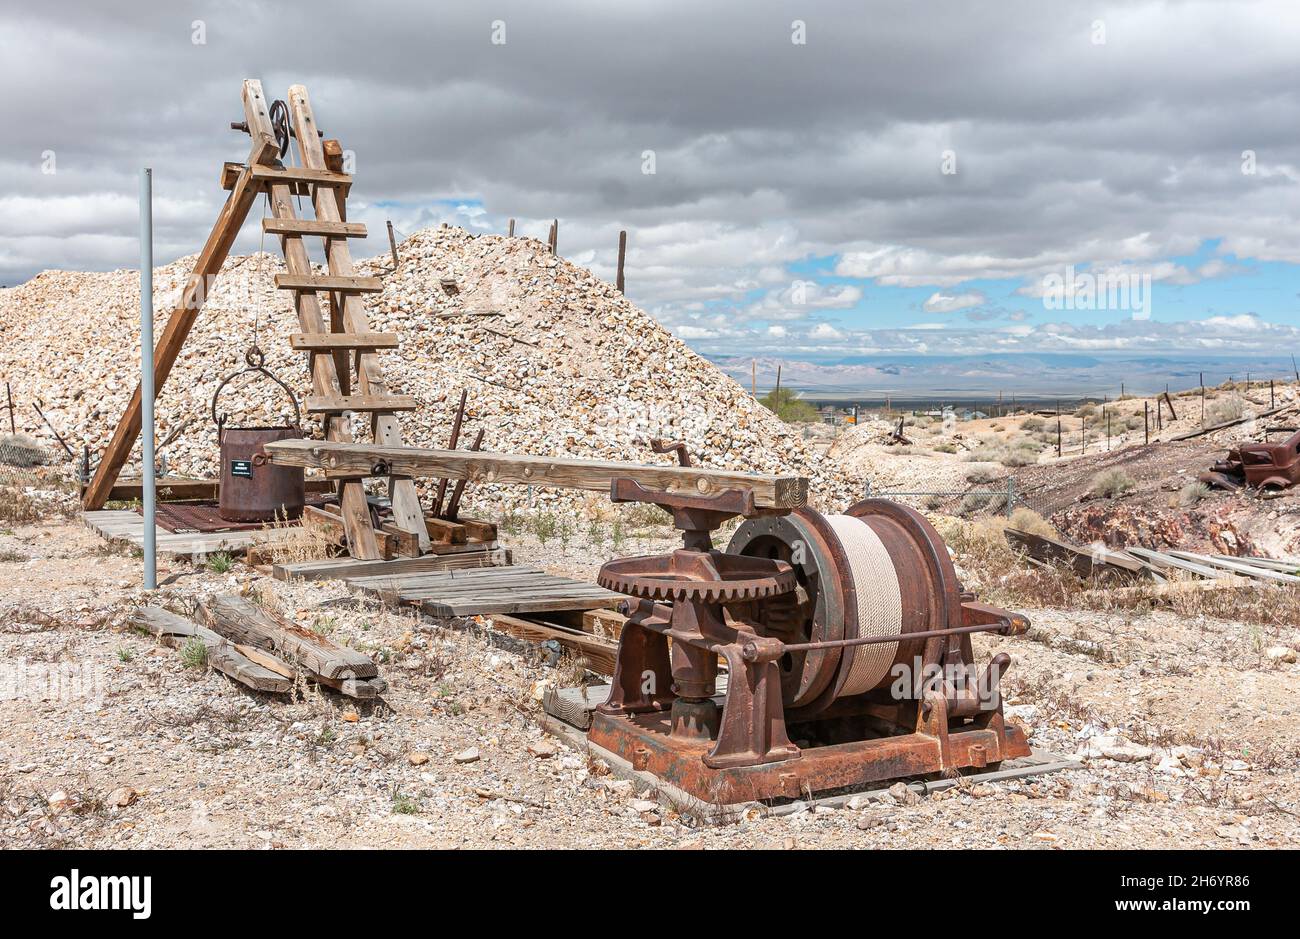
(699, 604)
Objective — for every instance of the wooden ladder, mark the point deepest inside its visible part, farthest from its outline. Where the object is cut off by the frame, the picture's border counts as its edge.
(333, 348)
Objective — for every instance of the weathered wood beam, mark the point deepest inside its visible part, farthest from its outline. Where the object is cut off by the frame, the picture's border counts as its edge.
(352, 460)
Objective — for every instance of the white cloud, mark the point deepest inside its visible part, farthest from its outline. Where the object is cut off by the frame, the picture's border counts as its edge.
(951, 303)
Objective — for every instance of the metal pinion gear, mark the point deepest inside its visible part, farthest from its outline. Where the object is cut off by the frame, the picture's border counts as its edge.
(696, 576)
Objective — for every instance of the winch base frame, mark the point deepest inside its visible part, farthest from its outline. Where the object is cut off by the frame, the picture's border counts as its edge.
(645, 741)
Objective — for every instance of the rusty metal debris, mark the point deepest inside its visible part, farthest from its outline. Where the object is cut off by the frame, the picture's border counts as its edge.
(846, 640)
(1261, 465)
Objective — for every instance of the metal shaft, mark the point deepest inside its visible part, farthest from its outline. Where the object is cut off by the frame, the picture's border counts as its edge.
(146, 377)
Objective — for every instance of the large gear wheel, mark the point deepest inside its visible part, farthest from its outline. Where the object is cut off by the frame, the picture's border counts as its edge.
(698, 576)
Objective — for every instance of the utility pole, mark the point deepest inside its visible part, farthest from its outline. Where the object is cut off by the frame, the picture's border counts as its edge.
(146, 378)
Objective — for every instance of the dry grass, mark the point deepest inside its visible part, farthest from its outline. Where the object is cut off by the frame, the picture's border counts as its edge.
(303, 543)
(1111, 483)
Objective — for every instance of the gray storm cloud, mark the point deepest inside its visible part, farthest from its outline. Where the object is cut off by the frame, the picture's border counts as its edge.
(766, 152)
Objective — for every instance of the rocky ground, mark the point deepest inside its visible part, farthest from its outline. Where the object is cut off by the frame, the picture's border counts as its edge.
(110, 741)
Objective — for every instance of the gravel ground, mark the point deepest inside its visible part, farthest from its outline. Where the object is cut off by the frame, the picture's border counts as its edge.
(135, 750)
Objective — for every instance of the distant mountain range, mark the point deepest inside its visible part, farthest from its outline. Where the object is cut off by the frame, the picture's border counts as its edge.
(1028, 375)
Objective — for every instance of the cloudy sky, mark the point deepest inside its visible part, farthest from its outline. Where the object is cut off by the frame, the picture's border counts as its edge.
(801, 179)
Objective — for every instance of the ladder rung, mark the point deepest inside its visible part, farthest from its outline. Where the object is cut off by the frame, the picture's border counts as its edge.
(333, 282)
(309, 342)
(270, 175)
(311, 226)
(335, 404)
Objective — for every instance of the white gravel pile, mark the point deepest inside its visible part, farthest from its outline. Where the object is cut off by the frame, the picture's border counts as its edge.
(562, 365)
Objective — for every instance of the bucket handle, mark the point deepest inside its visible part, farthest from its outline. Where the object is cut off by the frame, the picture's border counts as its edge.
(256, 363)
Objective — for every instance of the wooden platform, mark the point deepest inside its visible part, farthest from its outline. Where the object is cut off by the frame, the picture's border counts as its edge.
(128, 525)
(487, 590)
(441, 557)
(462, 580)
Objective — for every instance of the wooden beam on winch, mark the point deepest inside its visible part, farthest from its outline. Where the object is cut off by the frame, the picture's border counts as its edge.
(215, 251)
(331, 206)
(342, 460)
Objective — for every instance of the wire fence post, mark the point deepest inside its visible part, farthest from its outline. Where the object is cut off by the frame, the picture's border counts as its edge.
(1011, 495)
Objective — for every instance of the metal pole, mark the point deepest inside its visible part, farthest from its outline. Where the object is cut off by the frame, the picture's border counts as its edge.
(146, 376)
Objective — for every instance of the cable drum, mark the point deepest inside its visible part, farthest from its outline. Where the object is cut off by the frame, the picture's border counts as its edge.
(879, 602)
(879, 569)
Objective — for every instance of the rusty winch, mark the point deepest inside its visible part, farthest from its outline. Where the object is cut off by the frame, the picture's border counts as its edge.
(251, 489)
(846, 640)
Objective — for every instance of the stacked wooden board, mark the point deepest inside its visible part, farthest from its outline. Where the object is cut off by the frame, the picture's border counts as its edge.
(263, 651)
(1136, 563)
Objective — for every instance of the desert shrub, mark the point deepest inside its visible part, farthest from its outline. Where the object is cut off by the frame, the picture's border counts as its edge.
(1033, 424)
(788, 406)
(945, 446)
(1192, 493)
(1111, 483)
(1224, 409)
(1026, 519)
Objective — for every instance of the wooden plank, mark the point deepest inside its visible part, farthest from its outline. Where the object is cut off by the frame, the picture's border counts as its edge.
(313, 226)
(331, 206)
(330, 523)
(478, 530)
(356, 459)
(1167, 561)
(309, 342)
(173, 336)
(600, 654)
(405, 543)
(1084, 560)
(361, 688)
(334, 282)
(223, 656)
(336, 404)
(487, 554)
(269, 175)
(1285, 565)
(240, 620)
(605, 623)
(519, 605)
(442, 531)
(1237, 567)
(184, 488)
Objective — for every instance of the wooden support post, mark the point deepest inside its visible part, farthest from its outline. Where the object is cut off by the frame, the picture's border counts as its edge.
(453, 440)
(753, 377)
(392, 243)
(510, 230)
(453, 507)
(622, 254)
(776, 393)
(553, 239)
(1272, 397)
(1108, 431)
(10, 396)
(177, 330)
(1058, 429)
(1146, 422)
(1202, 399)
